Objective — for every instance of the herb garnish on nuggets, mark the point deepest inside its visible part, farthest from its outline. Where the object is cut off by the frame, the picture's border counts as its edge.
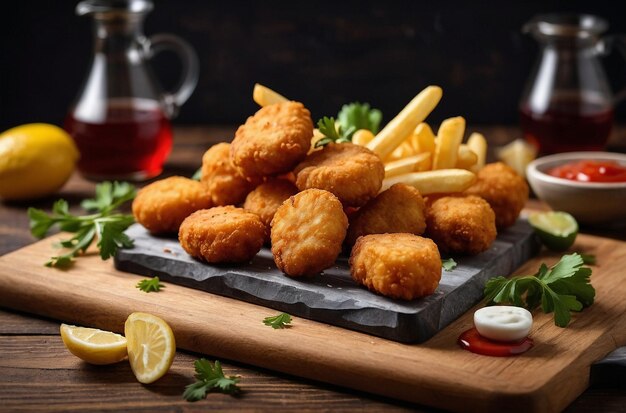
(353, 173)
(162, 205)
(503, 189)
(308, 230)
(272, 141)
(226, 185)
(402, 266)
(222, 234)
(398, 209)
(460, 224)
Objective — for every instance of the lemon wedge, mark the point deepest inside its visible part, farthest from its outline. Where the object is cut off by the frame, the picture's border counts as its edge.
(151, 346)
(517, 154)
(93, 345)
(35, 160)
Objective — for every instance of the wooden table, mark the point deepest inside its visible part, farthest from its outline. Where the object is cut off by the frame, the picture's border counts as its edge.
(38, 373)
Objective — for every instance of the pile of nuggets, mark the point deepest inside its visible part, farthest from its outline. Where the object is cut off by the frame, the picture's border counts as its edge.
(271, 185)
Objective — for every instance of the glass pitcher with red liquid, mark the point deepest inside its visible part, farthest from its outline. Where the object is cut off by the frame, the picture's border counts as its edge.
(567, 104)
(121, 118)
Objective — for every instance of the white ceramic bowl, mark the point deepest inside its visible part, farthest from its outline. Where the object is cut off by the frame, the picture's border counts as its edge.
(588, 202)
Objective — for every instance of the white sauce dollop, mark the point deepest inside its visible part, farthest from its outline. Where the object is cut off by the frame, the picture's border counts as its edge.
(503, 322)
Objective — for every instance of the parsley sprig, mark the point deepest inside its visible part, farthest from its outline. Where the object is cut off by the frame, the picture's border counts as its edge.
(151, 285)
(105, 224)
(351, 117)
(561, 289)
(448, 264)
(278, 321)
(210, 377)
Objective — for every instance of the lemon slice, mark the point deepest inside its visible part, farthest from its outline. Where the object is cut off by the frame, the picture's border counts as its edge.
(557, 230)
(93, 345)
(151, 346)
(517, 154)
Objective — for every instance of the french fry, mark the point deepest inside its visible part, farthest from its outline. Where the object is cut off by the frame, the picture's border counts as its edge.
(433, 182)
(401, 127)
(420, 162)
(466, 158)
(449, 137)
(478, 144)
(265, 96)
(405, 149)
(362, 137)
(425, 138)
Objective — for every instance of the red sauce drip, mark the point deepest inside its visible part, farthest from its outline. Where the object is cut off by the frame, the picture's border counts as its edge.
(591, 171)
(472, 341)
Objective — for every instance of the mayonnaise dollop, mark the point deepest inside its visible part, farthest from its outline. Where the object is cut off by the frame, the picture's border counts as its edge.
(503, 322)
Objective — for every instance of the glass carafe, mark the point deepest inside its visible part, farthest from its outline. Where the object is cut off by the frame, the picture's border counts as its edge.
(121, 118)
(568, 104)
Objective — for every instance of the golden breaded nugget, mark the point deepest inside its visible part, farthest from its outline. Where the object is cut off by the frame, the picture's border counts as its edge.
(353, 173)
(402, 266)
(222, 234)
(272, 141)
(308, 230)
(398, 209)
(162, 205)
(504, 189)
(267, 197)
(226, 185)
(460, 224)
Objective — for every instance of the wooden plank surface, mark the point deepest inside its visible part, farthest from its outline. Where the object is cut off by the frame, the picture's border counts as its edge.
(435, 373)
(265, 389)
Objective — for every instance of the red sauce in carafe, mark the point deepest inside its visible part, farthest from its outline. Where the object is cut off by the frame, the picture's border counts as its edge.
(569, 124)
(130, 141)
(472, 341)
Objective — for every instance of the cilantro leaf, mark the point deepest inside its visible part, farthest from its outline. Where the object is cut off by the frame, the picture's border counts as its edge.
(209, 377)
(561, 289)
(332, 132)
(354, 116)
(197, 175)
(448, 264)
(106, 224)
(278, 321)
(151, 285)
(588, 259)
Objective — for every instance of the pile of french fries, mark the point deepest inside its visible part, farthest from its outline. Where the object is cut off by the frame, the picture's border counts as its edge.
(410, 150)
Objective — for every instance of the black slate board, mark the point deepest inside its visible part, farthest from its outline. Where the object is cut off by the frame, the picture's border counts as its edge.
(333, 297)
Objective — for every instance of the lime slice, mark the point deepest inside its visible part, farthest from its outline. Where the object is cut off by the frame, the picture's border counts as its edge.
(557, 230)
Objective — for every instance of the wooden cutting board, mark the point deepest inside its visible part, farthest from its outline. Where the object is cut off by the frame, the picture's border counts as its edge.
(436, 373)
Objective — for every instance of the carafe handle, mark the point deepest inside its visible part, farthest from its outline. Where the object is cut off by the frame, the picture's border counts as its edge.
(606, 46)
(161, 42)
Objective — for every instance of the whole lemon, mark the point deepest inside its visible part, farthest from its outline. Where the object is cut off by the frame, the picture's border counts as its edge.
(35, 160)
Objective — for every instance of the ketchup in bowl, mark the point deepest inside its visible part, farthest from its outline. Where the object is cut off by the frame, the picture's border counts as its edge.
(590, 171)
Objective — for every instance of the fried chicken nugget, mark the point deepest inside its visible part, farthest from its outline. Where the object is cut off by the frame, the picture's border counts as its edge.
(460, 224)
(504, 189)
(267, 197)
(397, 209)
(307, 233)
(162, 205)
(222, 234)
(272, 141)
(226, 185)
(404, 266)
(353, 173)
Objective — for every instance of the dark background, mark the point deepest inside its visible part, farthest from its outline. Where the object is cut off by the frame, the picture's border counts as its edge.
(323, 53)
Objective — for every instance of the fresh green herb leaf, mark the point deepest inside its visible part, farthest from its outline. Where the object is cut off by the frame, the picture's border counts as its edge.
(588, 259)
(354, 116)
(333, 132)
(197, 175)
(210, 377)
(448, 264)
(278, 321)
(105, 224)
(151, 285)
(561, 289)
